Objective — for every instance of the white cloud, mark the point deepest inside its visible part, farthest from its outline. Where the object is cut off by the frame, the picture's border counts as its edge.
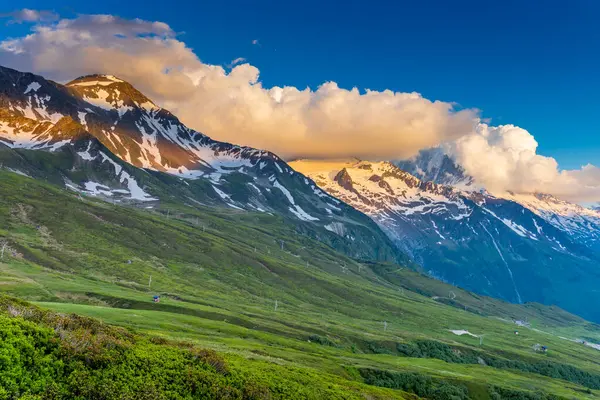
(236, 61)
(504, 158)
(234, 106)
(329, 122)
(28, 15)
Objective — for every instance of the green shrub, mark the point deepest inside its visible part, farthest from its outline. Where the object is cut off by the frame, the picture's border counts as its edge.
(421, 385)
(46, 355)
(460, 355)
(325, 341)
(210, 357)
(438, 389)
(51, 356)
(377, 348)
(510, 394)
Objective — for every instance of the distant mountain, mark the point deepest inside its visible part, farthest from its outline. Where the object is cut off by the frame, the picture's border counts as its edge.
(433, 165)
(581, 224)
(100, 136)
(488, 244)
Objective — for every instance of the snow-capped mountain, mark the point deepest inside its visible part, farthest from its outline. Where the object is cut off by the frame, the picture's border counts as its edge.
(147, 136)
(433, 165)
(100, 136)
(488, 244)
(581, 224)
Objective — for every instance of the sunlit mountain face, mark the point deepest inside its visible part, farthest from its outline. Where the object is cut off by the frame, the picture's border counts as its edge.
(100, 136)
(492, 244)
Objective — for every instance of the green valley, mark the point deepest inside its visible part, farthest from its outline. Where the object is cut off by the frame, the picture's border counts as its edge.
(250, 307)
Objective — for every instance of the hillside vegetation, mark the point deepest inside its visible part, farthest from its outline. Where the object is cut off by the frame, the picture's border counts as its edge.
(250, 308)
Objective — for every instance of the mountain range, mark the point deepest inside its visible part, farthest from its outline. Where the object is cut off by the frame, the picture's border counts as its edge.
(580, 223)
(99, 136)
(520, 248)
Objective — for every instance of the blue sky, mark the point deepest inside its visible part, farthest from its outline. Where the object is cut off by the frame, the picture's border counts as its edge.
(520, 62)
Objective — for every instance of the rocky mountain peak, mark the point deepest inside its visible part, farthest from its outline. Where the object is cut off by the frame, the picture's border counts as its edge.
(102, 79)
(344, 179)
(436, 166)
(110, 93)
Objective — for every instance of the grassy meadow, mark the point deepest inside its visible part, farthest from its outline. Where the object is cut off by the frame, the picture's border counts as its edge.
(284, 315)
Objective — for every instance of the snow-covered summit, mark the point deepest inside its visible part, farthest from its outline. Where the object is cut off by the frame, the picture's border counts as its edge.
(379, 188)
(95, 79)
(110, 93)
(435, 166)
(580, 223)
(488, 243)
(37, 113)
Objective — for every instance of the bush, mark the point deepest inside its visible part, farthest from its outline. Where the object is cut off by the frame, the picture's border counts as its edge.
(210, 357)
(438, 389)
(510, 394)
(325, 341)
(51, 356)
(45, 355)
(377, 348)
(421, 385)
(458, 355)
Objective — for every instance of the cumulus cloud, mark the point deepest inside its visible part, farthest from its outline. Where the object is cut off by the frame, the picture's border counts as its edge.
(327, 122)
(28, 15)
(234, 106)
(504, 158)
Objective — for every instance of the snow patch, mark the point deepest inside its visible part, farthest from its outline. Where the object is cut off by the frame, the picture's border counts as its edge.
(301, 214)
(95, 189)
(284, 191)
(86, 155)
(336, 227)
(461, 332)
(81, 115)
(137, 193)
(437, 231)
(18, 172)
(539, 228)
(117, 167)
(33, 86)
(295, 209)
(518, 229)
(57, 145)
(592, 345)
(221, 194)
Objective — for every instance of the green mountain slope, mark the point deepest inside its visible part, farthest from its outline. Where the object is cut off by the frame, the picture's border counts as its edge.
(99, 136)
(362, 238)
(288, 315)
